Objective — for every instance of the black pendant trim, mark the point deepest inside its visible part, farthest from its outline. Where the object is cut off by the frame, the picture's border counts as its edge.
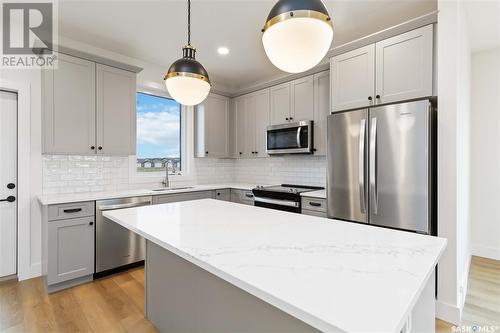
(285, 6)
(188, 66)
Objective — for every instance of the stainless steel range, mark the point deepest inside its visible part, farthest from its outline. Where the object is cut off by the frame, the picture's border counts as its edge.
(281, 197)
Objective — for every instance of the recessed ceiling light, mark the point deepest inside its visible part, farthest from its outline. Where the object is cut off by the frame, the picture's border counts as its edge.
(223, 50)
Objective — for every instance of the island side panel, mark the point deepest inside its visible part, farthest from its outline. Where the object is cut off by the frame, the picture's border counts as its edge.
(424, 312)
(182, 297)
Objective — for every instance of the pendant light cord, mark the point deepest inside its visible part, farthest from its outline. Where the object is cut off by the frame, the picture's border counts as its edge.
(189, 22)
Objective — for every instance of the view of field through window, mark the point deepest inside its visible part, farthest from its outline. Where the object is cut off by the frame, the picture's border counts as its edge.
(158, 133)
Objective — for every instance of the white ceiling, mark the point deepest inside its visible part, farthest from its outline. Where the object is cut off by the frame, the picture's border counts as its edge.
(155, 31)
(483, 24)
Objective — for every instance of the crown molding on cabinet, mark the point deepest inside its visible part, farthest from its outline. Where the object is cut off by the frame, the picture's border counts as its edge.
(97, 59)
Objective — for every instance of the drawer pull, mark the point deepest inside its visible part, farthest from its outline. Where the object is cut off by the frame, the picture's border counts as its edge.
(72, 210)
(315, 204)
(248, 195)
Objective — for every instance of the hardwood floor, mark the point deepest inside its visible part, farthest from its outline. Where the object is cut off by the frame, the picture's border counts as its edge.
(111, 304)
(116, 303)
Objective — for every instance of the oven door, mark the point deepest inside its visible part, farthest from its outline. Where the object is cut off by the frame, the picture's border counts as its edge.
(278, 204)
(293, 138)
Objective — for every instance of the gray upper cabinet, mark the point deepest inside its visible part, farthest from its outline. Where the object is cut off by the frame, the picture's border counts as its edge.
(392, 70)
(352, 78)
(280, 103)
(212, 127)
(88, 108)
(239, 111)
(116, 118)
(70, 249)
(261, 121)
(321, 110)
(404, 66)
(302, 99)
(69, 107)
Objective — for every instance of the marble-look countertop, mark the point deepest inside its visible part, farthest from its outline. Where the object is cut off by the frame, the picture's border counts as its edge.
(332, 275)
(319, 194)
(52, 199)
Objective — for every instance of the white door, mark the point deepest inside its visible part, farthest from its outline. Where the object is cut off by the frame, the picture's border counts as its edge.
(321, 110)
(261, 121)
(353, 79)
(249, 126)
(239, 109)
(8, 183)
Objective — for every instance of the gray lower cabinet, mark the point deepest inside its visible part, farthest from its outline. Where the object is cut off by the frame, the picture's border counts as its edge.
(161, 199)
(223, 194)
(313, 206)
(242, 196)
(68, 244)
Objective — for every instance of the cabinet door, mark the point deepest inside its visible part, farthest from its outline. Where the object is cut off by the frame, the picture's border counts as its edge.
(217, 126)
(404, 66)
(280, 103)
(69, 107)
(302, 99)
(239, 109)
(249, 150)
(353, 79)
(116, 116)
(321, 110)
(261, 121)
(70, 249)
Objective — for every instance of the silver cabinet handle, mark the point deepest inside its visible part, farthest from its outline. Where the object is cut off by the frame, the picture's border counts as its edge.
(120, 206)
(361, 167)
(373, 165)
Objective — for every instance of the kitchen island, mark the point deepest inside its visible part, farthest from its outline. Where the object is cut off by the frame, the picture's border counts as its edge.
(220, 266)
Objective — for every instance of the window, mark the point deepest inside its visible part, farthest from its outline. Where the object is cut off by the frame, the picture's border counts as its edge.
(158, 133)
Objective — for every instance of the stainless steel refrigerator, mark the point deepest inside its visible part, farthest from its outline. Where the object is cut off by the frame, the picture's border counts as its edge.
(381, 166)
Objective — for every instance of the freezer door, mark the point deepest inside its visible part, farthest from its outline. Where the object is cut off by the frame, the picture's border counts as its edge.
(347, 166)
(399, 166)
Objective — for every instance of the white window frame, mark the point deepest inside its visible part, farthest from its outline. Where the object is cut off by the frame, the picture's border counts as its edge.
(185, 174)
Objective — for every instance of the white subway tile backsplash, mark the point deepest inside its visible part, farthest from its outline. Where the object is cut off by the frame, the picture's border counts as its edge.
(74, 173)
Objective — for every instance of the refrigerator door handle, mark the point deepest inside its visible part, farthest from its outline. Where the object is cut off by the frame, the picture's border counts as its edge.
(373, 165)
(361, 167)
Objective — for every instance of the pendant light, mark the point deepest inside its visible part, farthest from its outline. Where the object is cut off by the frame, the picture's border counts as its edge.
(187, 80)
(297, 34)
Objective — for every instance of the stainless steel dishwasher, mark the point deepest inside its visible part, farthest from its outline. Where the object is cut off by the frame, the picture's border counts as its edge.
(117, 248)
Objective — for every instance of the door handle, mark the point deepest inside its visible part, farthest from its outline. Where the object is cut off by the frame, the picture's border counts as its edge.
(10, 198)
(315, 204)
(373, 165)
(361, 163)
(299, 143)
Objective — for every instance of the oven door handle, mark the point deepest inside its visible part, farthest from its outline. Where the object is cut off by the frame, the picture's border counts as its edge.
(299, 141)
(287, 203)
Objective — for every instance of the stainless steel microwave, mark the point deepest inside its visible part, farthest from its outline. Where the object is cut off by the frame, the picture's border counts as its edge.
(290, 138)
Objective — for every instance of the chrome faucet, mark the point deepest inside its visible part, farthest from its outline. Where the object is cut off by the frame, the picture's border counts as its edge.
(166, 181)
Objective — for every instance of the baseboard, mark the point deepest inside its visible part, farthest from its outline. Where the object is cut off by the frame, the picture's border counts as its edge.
(486, 252)
(35, 270)
(448, 312)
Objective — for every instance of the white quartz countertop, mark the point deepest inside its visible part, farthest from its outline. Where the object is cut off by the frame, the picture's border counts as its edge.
(319, 194)
(333, 275)
(51, 199)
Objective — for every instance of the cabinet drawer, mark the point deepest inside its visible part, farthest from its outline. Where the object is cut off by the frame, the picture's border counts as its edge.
(242, 196)
(315, 204)
(313, 213)
(161, 199)
(71, 210)
(223, 194)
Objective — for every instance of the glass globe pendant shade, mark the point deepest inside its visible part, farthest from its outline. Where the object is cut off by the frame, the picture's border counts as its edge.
(187, 80)
(297, 34)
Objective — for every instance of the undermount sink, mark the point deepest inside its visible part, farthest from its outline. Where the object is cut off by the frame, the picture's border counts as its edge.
(171, 188)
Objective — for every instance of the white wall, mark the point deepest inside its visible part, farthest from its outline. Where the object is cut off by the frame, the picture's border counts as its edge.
(453, 65)
(485, 154)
